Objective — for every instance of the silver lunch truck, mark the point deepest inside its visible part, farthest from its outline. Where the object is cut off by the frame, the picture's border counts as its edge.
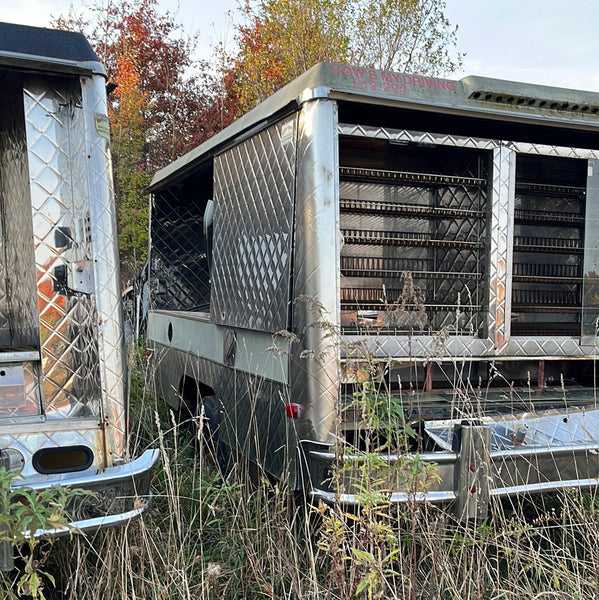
(63, 399)
(437, 237)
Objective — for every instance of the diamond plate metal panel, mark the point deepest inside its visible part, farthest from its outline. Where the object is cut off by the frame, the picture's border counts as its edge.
(59, 198)
(31, 440)
(254, 194)
(502, 214)
(558, 151)
(417, 348)
(416, 137)
(546, 347)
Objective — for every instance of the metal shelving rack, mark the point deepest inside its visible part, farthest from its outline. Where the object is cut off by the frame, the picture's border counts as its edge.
(548, 245)
(429, 225)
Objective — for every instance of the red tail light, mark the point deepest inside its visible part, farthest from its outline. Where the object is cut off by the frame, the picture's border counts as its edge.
(293, 411)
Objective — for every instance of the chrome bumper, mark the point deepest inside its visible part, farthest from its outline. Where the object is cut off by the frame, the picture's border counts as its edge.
(120, 494)
(481, 460)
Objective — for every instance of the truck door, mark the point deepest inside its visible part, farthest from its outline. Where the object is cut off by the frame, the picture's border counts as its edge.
(48, 324)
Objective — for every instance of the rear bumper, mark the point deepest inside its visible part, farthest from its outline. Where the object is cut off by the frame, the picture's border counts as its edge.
(120, 494)
(480, 460)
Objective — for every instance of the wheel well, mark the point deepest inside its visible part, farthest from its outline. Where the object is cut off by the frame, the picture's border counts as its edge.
(191, 392)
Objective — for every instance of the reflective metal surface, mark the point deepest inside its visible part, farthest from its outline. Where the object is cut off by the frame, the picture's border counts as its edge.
(60, 309)
(19, 330)
(106, 271)
(527, 431)
(314, 374)
(254, 185)
(119, 494)
(59, 199)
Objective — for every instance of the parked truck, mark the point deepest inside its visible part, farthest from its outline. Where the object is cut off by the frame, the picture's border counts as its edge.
(63, 397)
(429, 241)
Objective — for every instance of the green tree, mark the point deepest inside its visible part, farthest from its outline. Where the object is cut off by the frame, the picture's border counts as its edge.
(405, 35)
(280, 39)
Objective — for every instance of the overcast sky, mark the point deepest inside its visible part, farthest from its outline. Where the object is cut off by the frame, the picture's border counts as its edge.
(552, 42)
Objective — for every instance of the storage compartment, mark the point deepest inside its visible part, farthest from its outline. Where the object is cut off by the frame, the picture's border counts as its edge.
(413, 220)
(549, 228)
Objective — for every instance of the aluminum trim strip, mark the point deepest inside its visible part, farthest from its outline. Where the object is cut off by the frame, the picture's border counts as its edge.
(394, 498)
(546, 486)
(89, 525)
(316, 297)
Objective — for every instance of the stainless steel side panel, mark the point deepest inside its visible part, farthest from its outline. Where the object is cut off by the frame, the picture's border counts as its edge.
(254, 191)
(314, 369)
(107, 284)
(60, 202)
(60, 311)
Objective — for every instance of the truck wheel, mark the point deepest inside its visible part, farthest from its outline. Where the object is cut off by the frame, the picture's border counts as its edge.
(207, 438)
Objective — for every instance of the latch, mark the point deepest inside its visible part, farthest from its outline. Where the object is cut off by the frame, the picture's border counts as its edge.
(77, 277)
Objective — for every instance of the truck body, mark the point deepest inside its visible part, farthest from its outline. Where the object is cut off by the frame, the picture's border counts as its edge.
(63, 397)
(437, 238)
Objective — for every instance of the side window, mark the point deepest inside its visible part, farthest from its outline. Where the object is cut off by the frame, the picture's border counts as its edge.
(414, 224)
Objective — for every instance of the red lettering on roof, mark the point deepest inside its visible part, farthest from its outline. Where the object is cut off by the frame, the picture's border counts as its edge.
(388, 82)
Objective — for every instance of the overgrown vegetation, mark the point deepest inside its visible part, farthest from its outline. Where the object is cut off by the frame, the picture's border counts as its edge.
(205, 537)
(24, 511)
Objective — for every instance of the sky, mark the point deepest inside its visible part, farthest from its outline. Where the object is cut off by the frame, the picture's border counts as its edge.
(550, 42)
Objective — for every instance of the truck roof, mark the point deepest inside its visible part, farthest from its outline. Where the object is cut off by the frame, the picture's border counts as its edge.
(472, 96)
(38, 48)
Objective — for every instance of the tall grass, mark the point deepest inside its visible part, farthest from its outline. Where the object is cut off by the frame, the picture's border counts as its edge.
(207, 537)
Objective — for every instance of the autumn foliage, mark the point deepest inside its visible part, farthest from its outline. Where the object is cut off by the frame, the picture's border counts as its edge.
(279, 40)
(162, 106)
(166, 102)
